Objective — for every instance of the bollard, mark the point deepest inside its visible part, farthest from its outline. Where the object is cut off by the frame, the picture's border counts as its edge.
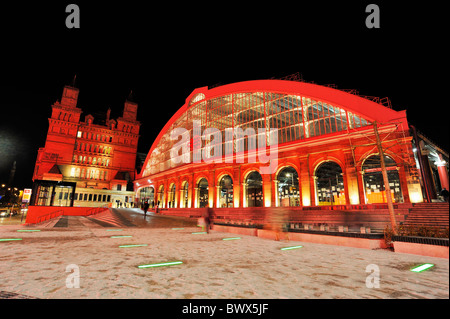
(343, 229)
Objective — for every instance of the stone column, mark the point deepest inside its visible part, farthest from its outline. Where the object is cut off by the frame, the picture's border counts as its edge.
(443, 173)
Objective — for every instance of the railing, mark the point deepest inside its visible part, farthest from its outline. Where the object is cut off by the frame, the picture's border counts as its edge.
(61, 212)
(48, 216)
(96, 210)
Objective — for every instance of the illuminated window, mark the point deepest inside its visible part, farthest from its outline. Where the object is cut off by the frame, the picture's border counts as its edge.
(226, 192)
(373, 180)
(288, 190)
(254, 189)
(330, 184)
(79, 134)
(196, 98)
(202, 193)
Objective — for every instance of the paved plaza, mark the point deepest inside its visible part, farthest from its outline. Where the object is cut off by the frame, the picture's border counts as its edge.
(79, 257)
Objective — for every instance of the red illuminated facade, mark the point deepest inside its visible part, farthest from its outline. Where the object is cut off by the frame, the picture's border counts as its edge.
(84, 163)
(327, 153)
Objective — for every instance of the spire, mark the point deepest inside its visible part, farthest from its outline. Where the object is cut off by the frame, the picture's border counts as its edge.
(130, 96)
(108, 114)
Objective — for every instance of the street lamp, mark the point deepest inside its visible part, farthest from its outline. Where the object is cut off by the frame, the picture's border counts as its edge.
(289, 175)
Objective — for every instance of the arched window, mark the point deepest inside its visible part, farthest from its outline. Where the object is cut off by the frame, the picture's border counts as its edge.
(329, 184)
(288, 190)
(184, 200)
(226, 191)
(146, 194)
(160, 201)
(171, 197)
(373, 180)
(254, 190)
(202, 193)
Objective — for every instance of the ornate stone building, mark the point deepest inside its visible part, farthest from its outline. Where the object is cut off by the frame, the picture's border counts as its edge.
(86, 163)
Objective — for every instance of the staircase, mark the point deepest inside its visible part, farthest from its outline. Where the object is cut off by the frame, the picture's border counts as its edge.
(428, 214)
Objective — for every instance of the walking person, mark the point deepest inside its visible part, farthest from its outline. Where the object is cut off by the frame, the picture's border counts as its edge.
(146, 206)
(207, 219)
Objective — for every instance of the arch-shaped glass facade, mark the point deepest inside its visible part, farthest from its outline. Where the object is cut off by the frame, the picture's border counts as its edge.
(296, 117)
(321, 131)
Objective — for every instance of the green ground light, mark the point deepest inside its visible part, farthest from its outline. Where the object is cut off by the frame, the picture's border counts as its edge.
(422, 267)
(161, 264)
(129, 246)
(199, 233)
(231, 238)
(289, 248)
(123, 236)
(10, 239)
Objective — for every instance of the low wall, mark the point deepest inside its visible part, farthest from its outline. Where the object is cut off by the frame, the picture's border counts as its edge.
(373, 216)
(37, 214)
(367, 243)
(236, 230)
(421, 249)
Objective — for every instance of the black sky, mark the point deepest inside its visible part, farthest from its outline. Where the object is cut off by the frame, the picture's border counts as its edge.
(164, 52)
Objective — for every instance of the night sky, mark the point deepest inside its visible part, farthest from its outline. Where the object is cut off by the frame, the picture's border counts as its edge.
(162, 53)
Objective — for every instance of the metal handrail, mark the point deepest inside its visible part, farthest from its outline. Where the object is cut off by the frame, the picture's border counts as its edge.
(96, 210)
(48, 216)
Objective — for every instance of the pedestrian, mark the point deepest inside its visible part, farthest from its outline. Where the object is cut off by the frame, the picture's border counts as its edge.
(207, 219)
(276, 220)
(146, 206)
(445, 194)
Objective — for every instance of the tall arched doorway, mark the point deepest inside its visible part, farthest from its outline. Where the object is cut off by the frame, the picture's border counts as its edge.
(202, 193)
(146, 194)
(254, 190)
(288, 190)
(373, 180)
(184, 196)
(160, 200)
(329, 184)
(226, 192)
(171, 199)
